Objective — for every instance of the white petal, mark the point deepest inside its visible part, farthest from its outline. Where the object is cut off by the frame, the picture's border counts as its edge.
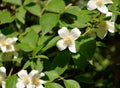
(61, 45)
(103, 9)
(20, 84)
(3, 84)
(75, 33)
(3, 48)
(72, 47)
(40, 86)
(2, 69)
(2, 73)
(34, 72)
(110, 26)
(91, 5)
(109, 14)
(10, 49)
(42, 82)
(107, 1)
(42, 74)
(63, 32)
(22, 74)
(11, 40)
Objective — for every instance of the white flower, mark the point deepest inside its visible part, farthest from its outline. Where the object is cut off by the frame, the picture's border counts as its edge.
(104, 27)
(24, 80)
(31, 80)
(68, 39)
(35, 78)
(2, 76)
(98, 4)
(6, 44)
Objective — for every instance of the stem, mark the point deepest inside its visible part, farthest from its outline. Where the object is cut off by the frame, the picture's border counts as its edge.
(42, 11)
(86, 32)
(11, 70)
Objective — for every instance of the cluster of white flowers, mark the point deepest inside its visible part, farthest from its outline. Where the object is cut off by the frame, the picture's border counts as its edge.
(104, 26)
(31, 80)
(100, 5)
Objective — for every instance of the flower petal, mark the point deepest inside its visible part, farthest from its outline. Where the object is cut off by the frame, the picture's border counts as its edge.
(2, 69)
(2, 72)
(110, 26)
(34, 72)
(75, 33)
(61, 45)
(11, 40)
(91, 5)
(42, 74)
(63, 32)
(20, 84)
(72, 47)
(109, 14)
(22, 74)
(3, 48)
(107, 1)
(103, 9)
(40, 86)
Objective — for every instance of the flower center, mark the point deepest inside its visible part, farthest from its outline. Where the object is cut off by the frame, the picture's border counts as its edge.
(36, 81)
(3, 42)
(68, 40)
(99, 2)
(8, 47)
(26, 80)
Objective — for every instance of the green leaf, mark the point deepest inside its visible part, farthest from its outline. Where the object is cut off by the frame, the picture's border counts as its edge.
(27, 64)
(30, 39)
(25, 47)
(80, 61)
(48, 21)
(34, 9)
(11, 81)
(71, 84)
(82, 19)
(51, 43)
(55, 6)
(26, 2)
(16, 2)
(53, 85)
(20, 14)
(43, 39)
(75, 10)
(39, 65)
(87, 48)
(52, 75)
(5, 17)
(60, 62)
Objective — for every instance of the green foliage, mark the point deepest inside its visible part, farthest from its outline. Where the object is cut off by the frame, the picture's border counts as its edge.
(36, 24)
(11, 81)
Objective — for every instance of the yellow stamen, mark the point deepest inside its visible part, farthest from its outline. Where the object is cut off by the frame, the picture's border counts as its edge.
(99, 2)
(26, 80)
(8, 46)
(36, 81)
(68, 40)
(3, 42)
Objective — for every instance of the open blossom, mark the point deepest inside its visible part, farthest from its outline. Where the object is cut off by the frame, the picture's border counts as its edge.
(31, 80)
(68, 39)
(23, 80)
(2, 76)
(35, 78)
(99, 4)
(104, 27)
(6, 44)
